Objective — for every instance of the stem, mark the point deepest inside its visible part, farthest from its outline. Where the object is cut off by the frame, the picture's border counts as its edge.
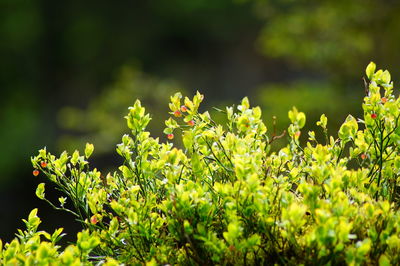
(216, 158)
(380, 159)
(61, 209)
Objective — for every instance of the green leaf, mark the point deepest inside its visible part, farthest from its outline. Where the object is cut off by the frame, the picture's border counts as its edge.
(301, 119)
(62, 200)
(245, 104)
(384, 260)
(187, 227)
(42, 153)
(89, 150)
(175, 102)
(197, 99)
(187, 139)
(385, 77)
(44, 251)
(323, 121)
(168, 130)
(257, 112)
(127, 173)
(363, 247)
(56, 236)
(349, 128)
(297, 118)
(87, 242)
(33, 221)
(33, 214)
(75, 158)
(40, 191)
(233, 233)
(188, 103)
(254, 240)
(196, 164)
(370, 70)
(292, 114)
(113, 225)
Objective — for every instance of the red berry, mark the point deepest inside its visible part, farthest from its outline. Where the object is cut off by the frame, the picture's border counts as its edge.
(184, 108)
(363, 156)
(93, 219)
(297, 134)
(43, 164)
(373, 116)
(170, 136)
(384, 99)
(177, 113)
(35, 172)
(190, 123)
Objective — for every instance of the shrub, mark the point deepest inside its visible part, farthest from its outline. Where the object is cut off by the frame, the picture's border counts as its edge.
(225, 198)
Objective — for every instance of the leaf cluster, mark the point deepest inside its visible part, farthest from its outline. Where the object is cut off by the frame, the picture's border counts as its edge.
(225, 198)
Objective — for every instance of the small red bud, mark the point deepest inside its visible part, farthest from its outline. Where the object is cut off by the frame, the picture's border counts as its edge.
(190, 123)
(177, 113)
(93, 219)
(297, 134)
(35, 172)
(363, 156)
(43, 164)
(384, 99)
(373, 116)
(170, 136)
(184, 108)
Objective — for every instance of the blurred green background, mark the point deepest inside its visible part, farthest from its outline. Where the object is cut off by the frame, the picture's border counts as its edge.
(70, 69)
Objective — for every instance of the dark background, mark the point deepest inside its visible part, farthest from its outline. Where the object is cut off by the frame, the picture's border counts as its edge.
(70, 69)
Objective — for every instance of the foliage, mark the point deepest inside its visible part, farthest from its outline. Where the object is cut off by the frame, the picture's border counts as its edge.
(225, 198)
